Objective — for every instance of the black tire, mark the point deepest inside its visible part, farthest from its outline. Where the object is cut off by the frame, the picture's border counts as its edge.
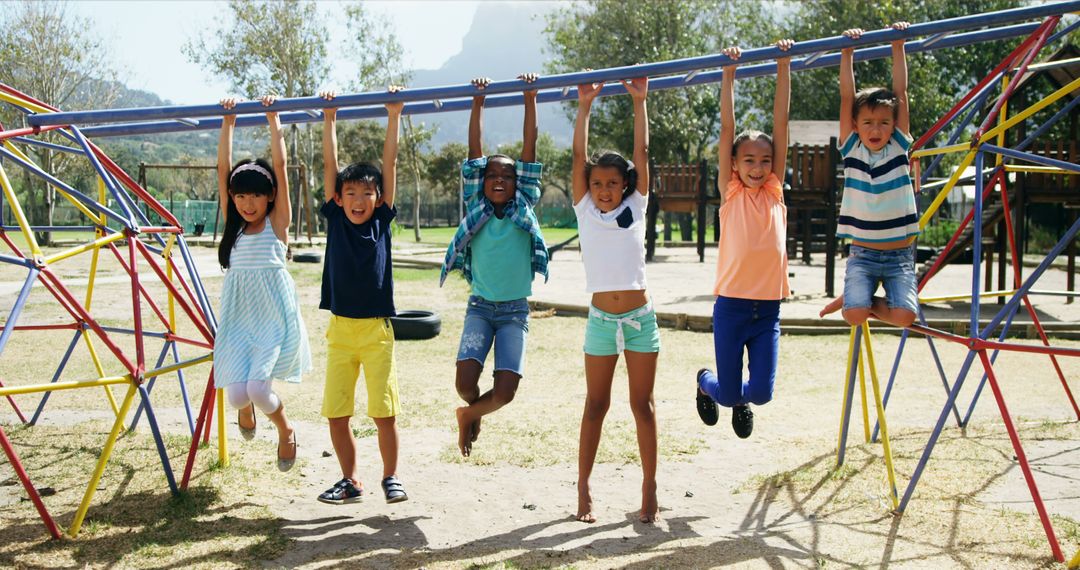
(416, 325)
(307, 257)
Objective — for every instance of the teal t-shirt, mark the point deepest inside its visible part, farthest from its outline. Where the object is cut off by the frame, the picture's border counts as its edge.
(501, 261)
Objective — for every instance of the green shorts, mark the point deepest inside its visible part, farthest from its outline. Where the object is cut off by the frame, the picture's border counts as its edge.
(607, 334)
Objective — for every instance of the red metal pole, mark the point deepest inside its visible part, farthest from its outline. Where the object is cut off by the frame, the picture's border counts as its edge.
(959, 231)
(204, 411)
(13, 458)
(70, 326)
(179, 299)
(142, 289)
(18, 412)
(84, 316)
(133, 186)
(191, 296)
(136, 308)
(1021, 458)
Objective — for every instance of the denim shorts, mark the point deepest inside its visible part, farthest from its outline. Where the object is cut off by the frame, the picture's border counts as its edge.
(893, 268)
(504, 324)
(607, 333)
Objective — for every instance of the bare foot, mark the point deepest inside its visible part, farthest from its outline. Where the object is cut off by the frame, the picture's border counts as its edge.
(650, 510)
(476, 429)
(584, 504)
(465, 433)
(833, 306)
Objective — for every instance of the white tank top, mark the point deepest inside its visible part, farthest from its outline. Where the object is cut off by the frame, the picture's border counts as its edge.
(613, 244)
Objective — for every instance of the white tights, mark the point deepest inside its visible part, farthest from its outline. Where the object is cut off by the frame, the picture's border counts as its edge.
(258, 392)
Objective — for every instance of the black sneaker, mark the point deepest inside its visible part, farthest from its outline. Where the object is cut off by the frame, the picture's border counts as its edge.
(344, 491)
(742, 419)
(706, 407)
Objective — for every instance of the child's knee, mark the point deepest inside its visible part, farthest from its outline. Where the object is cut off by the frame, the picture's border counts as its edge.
(903, 318)
(643, 408)
(596, 408)
(237, 395)
(856, 317)
(503, 394)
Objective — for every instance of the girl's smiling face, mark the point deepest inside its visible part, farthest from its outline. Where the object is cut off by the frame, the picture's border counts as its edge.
(753, 162)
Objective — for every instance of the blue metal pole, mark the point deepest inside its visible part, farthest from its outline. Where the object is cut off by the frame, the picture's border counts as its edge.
(120, 330)
(104, 174)
(49, 145)
(993, 358)
(183, 391)
(565, 92)
(975, 106)
(16, 260)
(54, 228)
(16, 309)
(196, 283)
(976, 244)
(56, 376)
(849, 396)
(158, 441)
(86, 200)
(1029, 157)
(808, 47)
(150, 385)
(1062, 113)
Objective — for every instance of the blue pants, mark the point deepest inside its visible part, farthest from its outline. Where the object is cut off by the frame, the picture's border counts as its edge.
(738, 324)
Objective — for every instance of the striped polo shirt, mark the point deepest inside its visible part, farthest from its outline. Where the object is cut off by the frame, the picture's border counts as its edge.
(878, 203)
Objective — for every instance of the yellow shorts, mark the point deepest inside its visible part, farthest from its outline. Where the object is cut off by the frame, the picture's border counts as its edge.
(353, 343)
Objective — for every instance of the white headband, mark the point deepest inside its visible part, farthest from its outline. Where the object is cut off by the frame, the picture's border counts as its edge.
(252, 166)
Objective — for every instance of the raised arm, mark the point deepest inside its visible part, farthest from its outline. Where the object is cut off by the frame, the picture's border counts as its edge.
(781, 104)
(586, 94)
(281, 215)
(727, 123)
(224, 155)
(639, 89)
(476, 145)
(390, 148)
(530, 130)
(329, 148)
(847, 85)
(899, 79)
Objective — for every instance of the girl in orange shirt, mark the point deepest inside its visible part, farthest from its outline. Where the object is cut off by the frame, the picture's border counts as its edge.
(751, 267)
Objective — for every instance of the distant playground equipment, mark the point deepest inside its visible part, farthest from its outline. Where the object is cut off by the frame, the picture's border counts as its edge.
(989, 139)
(130, 225)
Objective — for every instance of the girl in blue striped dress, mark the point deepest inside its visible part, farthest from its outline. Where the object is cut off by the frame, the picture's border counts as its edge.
(261, 334)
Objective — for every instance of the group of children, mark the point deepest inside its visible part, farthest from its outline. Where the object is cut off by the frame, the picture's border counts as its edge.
(499, 247)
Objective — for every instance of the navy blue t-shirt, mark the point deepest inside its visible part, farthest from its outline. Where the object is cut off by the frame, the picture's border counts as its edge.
(358, 280)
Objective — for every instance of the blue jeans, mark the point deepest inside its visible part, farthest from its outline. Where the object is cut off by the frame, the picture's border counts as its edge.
(740, 324)
(893, 268)
(502, 324)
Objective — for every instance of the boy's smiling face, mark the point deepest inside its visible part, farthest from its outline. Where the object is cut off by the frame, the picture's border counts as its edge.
(499, 181)
(875, 126)
(359, 200)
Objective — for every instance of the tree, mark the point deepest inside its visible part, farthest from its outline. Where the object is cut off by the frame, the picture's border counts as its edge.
(55, 57)
(608, 33)
(269, 46)
(374, 46)
(444, 166)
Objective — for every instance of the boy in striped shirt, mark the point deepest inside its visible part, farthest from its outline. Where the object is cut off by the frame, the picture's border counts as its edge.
(878, 208)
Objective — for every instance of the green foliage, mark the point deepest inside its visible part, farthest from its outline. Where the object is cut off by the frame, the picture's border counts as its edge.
(608, 33)
(556, 160)
(444, 166)
(939, 233)
(266, 47)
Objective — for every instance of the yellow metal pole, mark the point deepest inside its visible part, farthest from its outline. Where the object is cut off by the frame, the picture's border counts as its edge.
(20, 102)
(66, 385)
(1045, 102)
(1038, 169)
(20, 217)
(862, 392)
(961, 296)
(103, 459)
(223, 442)
(1074, 564)
(84, 248)
(178, 366)
(960, 147)
(167, 254)
(881, 419)
(944, 192)
(1001, 118)
(847, 383)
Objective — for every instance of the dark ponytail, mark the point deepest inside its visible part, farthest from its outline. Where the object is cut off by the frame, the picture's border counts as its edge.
(247, 181)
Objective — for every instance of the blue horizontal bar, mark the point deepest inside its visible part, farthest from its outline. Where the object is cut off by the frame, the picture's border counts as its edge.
(120, 330)
(1027, 156)
(53, 146)
(16, 260)
(568, 94)
(561, 80)
(55, 228)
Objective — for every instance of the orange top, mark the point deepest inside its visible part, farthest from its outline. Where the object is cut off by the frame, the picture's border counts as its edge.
(752, 260)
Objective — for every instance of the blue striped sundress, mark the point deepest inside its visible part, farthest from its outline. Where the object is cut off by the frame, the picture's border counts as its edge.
(261, 334)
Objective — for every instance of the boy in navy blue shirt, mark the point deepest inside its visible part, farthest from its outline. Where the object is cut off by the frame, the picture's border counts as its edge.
(358, 290)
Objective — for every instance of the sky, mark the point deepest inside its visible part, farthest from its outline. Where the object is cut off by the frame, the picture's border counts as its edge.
(145, 39)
